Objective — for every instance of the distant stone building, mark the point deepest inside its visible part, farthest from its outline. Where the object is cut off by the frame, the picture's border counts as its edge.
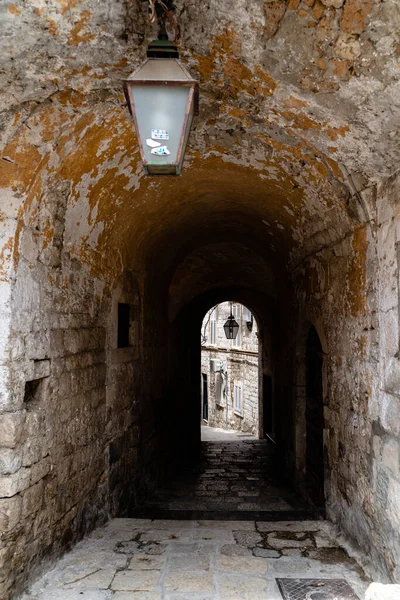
(229, 370)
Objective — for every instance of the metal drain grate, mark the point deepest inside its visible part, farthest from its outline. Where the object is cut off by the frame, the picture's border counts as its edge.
(316, 589)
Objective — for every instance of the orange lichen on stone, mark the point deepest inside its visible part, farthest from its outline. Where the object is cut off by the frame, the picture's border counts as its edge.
(334, 132)
(266, 79)
(79, 33)
(5, 255)
(233, 76)
(14, 10)
(47, 234)
(326, 26)
(273, 12)
(52, 28)
(17, 117)
(340, 68)
(293, 102)
(238, 113)
(39, 11)
(303, 13)
(66, 5)
(318, 10)
(26, 158)
(121, 63)
(355, 15)
(300, 120)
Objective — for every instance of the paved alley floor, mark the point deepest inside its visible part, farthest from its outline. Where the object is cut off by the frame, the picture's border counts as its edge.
(235, 475)
(216, 434)
(138, 559)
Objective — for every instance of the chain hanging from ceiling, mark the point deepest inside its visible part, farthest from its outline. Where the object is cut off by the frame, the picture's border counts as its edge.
(159, 10)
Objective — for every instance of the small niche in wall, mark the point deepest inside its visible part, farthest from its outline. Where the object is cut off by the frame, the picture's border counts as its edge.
(124, 315)
(33, 393)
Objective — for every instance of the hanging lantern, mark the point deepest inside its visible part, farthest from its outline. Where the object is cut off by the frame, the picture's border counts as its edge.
(162, 97)
(231, 328)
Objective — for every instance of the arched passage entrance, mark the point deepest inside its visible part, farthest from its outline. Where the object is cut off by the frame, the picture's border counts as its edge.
(231, 368)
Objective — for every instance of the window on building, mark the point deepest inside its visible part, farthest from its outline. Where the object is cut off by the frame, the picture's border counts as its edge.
(213, 326)
(123, 325)
(238, 398)
(219, 389)
(237, 313)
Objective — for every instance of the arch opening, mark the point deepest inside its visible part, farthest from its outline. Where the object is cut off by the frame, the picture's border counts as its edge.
(232, 370)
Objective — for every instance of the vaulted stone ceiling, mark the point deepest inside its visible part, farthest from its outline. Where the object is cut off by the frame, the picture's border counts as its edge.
(299, 109)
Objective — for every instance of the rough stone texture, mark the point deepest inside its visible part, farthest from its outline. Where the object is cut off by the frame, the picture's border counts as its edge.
(288, 203)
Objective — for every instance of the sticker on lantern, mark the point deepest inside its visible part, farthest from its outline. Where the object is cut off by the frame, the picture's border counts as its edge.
(152, 143)
(159, 134)
(161, 151)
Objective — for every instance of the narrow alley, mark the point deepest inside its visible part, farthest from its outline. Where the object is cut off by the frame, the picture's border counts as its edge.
(235, 479)
(200, 300)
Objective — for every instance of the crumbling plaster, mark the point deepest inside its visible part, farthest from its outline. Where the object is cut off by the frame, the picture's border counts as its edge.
(293, 156)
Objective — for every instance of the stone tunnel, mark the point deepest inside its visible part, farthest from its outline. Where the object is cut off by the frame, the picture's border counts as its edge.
(287, 202)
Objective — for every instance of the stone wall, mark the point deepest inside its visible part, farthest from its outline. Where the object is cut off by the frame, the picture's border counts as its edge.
(239, 364)
(349, 292)
(69, 428)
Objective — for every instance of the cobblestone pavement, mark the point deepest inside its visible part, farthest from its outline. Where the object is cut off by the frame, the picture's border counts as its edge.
(138, 559)
(234, 475)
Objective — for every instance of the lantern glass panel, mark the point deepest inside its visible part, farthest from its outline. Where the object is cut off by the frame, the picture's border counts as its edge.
(231, 329)
(160, 107)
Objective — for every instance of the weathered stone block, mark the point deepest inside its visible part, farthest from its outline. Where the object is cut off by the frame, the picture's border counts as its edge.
(32, 499)
(391, 456)
(32, 452)
(10, 512)
(355, 14)
(393, 503)
(10, 461)
(29, 246)
(347, 46)
(334, 3)
(12, 484)
(10, 429)
(41, 368)
(390, 413)
(40, 470)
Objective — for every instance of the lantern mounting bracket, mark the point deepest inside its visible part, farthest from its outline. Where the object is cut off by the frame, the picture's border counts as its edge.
(160, 10)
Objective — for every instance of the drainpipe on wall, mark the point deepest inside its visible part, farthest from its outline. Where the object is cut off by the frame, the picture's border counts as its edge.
(225, 389)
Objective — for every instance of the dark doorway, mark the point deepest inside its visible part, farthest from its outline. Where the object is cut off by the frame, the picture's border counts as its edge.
(268, 416)
(205, 396)
(123, 325)
(314, 420)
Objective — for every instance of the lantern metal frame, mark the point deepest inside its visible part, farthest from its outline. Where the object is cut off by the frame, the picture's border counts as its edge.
(164, 50)
(231, 326)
